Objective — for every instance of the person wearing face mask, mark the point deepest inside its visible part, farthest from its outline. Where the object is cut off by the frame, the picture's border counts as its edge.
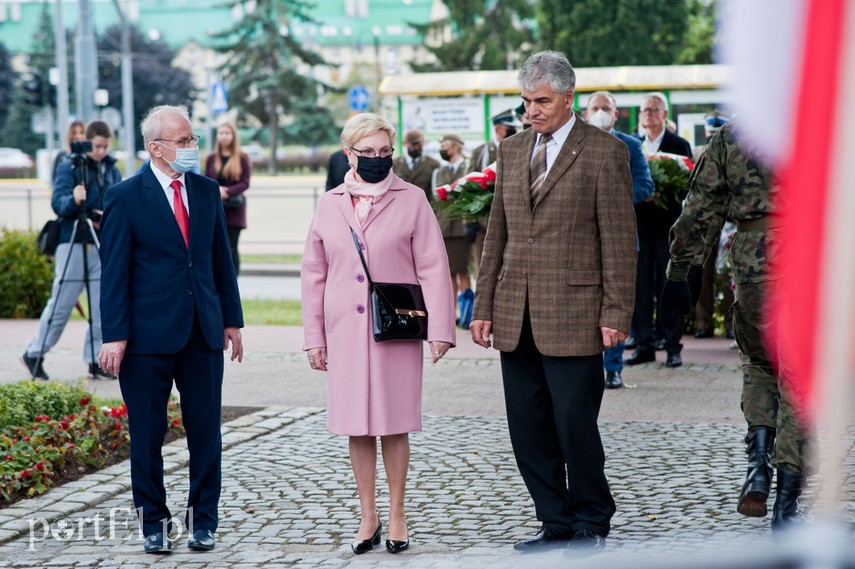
(374, 388)
(457, 246)
(602, 113)
(415, 167)
(170, 307)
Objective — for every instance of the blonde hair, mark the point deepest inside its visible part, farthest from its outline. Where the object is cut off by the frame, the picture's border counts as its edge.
(74, 125)
(366, 124)
(233, 169)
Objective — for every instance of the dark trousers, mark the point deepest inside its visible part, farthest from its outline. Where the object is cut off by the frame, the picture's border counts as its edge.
(234, 235)
(552, 405)
(705, 309)
(653, 258)
(146, 381)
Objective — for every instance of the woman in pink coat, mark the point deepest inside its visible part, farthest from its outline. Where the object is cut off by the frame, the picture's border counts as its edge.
(375, 389)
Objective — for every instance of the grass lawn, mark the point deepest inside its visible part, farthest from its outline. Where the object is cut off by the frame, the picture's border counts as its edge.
(271, 258)
(279, 312)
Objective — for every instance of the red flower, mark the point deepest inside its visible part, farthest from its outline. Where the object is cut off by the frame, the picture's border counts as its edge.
(176, 422)
(71, 445)
(26, 474)
(9, 458)
(27, 439)
(85, 401)
(40, 467)
(118, 426)
(442, 193)
(71, 417)
(64, 424)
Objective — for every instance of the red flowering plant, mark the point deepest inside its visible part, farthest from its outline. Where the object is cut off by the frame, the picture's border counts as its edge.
(39, 454)
(470, 197)
(670, 173)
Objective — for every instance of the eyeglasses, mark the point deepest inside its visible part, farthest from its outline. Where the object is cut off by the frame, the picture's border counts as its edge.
(182, 142)
(650, 111)
(371, 153)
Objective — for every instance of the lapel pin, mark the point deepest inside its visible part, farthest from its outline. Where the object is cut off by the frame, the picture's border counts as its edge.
(573, 153)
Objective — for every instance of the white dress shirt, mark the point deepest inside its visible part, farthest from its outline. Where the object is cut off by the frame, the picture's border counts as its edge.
(553, 147)
(168, 191)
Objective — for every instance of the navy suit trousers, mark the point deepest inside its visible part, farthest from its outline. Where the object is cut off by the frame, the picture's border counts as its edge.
(146, 382)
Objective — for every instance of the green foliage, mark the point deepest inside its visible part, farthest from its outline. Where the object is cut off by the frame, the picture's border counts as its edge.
(36, 453)
(670, 179)
(595, 33)
(8, 77)
(486, 34)
(699, 42)
(470, 200)
(265, 65)
(21, 402)
(25, 276)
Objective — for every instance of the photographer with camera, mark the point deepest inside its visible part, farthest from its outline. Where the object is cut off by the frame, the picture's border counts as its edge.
(78, 200)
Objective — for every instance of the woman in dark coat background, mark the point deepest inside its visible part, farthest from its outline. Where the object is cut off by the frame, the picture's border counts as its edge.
(231, 167)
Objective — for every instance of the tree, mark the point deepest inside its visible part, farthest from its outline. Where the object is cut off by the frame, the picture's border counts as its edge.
(8, 77)
(699, 43)
(596, 33)
(484, 34)
(266, 66)
(155, 80)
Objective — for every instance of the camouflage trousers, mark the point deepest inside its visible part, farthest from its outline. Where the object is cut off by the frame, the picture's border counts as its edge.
(764, 402)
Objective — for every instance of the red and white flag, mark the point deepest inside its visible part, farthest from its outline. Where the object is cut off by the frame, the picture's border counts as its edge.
(794, 67)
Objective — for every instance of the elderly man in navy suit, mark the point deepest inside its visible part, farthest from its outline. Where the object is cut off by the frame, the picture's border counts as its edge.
(602, 112)
(170, 306)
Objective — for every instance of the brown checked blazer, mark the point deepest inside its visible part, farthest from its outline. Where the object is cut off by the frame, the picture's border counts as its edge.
(572, 254)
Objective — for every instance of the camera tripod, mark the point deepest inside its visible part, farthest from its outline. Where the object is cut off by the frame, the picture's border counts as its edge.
(89, 238)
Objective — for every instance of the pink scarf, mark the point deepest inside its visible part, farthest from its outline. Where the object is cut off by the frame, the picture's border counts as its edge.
(365, 195)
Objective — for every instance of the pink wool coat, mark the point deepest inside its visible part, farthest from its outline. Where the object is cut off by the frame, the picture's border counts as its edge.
(375, 388)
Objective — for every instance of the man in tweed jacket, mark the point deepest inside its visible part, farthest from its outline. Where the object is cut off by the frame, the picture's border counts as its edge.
(555, 288)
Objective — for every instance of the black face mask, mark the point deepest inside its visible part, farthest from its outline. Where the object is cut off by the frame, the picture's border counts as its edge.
(444, 155)
(414, 152)
(373, 170)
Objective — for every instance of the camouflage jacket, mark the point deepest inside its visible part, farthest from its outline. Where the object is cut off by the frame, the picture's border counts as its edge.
(726, 182)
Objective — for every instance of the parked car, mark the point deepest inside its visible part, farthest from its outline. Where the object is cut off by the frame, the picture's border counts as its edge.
(15, 163)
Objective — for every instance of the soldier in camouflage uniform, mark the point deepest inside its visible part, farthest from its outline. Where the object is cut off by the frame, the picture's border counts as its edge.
(727, 182)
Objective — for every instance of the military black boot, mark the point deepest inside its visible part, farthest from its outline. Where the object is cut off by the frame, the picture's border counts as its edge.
(786, 508)
(758, 480)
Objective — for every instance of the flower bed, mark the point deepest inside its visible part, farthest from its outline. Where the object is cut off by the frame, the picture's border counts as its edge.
(47, 450)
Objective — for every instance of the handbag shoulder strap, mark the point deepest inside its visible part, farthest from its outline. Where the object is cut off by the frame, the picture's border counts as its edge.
(361, 257)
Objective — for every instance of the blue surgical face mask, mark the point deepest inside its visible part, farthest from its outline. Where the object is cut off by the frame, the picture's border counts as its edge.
(185, 159)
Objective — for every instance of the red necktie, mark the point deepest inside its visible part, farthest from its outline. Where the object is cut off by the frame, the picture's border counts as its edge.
(181, 212)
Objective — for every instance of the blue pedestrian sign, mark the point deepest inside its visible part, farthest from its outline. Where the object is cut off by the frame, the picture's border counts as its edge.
(219, 98)
(358, 98)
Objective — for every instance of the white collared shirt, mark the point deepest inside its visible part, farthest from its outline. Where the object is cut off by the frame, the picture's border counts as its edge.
(651, 145)
(553, 147)
(168, 191)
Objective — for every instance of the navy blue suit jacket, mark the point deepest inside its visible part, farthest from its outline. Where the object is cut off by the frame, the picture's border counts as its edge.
(151, 282)
(642, 183)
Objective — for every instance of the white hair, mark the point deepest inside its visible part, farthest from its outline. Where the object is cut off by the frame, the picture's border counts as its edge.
(550, 68)
(154, 121)
(659, 96)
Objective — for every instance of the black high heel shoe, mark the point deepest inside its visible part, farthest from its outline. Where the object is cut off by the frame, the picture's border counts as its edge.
(366, 545)
(396, 546)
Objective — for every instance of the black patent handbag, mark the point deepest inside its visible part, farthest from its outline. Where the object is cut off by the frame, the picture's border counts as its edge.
(397, 309)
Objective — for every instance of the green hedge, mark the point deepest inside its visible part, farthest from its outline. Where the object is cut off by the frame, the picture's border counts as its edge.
(22, 402)
(25, 276)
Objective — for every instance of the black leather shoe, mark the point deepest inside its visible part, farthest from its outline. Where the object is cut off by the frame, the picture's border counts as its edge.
(366, 545)
(158, 543)
(673, 360)
(640, 357)
(546, 538)
(397, 546)
(585, 542)
(730, 335)
(34, 366)
(202, 540)
(95, 372)
(659, 345)
(613, 380)
(702, 333)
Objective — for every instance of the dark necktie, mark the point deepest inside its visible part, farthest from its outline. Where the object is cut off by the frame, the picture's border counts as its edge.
(180, 211)
(537, 169)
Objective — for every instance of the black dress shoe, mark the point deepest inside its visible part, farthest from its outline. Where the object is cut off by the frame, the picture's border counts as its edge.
(613, 380)
(546, 538)
(585, 542)
(674, 360)
(640, 357)
(158, 543)
(659, 345)
(202, 540)
(34, 366)
(702, 333)
(366, 545)
(397, 546)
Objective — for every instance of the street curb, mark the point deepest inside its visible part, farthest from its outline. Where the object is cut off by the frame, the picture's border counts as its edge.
(270, 269)
(98, 487)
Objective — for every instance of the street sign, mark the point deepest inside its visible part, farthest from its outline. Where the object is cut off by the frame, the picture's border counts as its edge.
(358, 98)
(219, 98)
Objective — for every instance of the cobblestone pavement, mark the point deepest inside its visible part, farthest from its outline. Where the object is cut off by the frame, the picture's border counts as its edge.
(289, 501)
